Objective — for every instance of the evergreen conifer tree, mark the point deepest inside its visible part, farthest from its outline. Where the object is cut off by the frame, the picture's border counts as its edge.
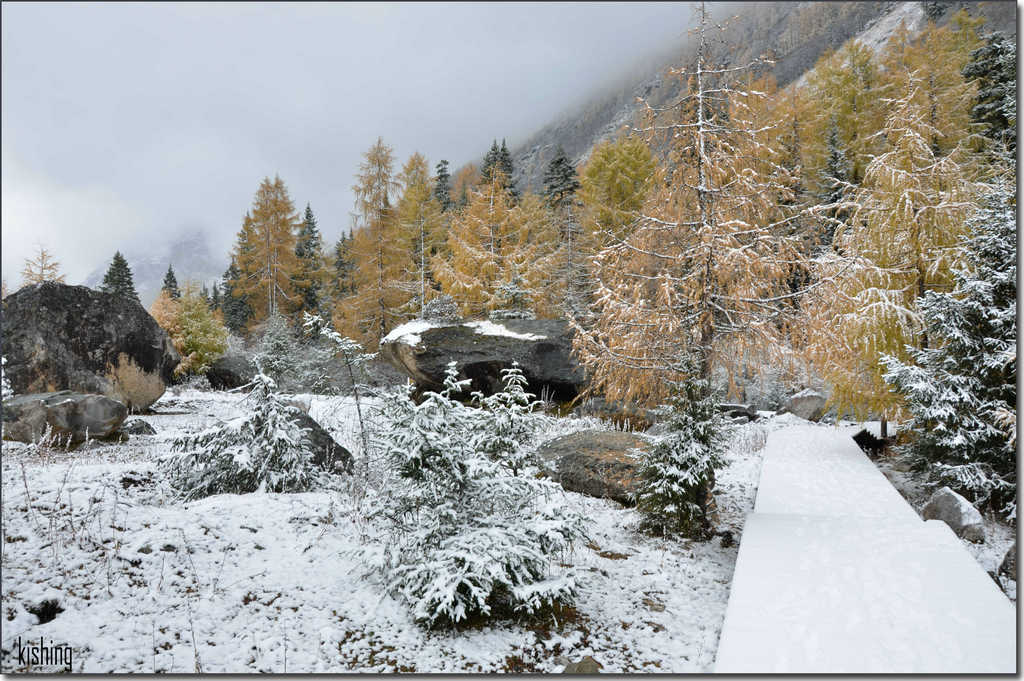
(214, 297)
(234, 304)
(118, 279)
(443, 186)
(344, 266)
(309, 249)
(560, 180)
(171, 284)
(993, 66)
(490, 163)
(962, 388)
(677, 474)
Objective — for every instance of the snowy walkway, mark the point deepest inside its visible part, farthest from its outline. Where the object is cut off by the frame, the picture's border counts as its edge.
(837, 573)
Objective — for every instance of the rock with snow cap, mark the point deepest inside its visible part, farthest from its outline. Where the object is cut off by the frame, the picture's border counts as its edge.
(807, 404)
(481, 349)
(960, 514)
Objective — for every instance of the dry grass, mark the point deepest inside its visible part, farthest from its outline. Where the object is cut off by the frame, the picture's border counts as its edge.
(138, 389)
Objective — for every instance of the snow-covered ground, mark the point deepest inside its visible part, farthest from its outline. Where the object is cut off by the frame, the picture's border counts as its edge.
(269, 582)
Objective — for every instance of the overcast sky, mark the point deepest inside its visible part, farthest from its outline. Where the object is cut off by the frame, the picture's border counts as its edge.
(126, 123)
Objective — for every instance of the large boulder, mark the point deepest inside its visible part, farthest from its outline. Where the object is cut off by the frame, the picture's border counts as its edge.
(60, 337)
(807, 404)
(230, 372)
(960, 514)
(71, 417)
(542, 347)
(597, 463)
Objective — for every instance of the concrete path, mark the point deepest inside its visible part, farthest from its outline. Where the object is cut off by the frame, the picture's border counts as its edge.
(836, 573)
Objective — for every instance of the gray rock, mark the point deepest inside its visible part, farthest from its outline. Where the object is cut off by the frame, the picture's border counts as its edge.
(1009, 565)
(72, 417)
(327, 453)
(546, 360)
(960, 514)
(60, 337)
(230, 372)
(735, 411)
(138, 427)
(594, 462)
(807, 404)
(588, 665)
(617, 412)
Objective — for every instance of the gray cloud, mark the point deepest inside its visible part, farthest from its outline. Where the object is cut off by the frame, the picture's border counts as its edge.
(126, 123)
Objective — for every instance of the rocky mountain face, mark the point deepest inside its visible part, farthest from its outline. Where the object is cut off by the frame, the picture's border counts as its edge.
(190, 255)
(795, 34)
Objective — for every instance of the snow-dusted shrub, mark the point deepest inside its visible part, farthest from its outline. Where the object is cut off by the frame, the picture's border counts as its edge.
(677, 473)
(441, 309)
(507, 421)
(264, 451)
(463, 536)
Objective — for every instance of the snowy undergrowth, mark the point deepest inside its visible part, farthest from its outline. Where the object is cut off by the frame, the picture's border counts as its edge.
(270, 582)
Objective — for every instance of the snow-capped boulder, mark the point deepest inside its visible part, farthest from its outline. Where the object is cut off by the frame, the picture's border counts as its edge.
(807, 404)
(71, 417)
(741, 412)
(230, 372)
(597, 463)
(960, 514)
(481, 349)
(60, 337)
(1009, 565)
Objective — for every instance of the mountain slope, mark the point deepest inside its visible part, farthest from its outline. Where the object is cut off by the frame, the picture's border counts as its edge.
(796, 34)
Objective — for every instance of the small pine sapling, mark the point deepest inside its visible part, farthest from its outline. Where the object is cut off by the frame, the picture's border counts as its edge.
(507, 421)
(265, 451)
(677, 473)
(464, 537)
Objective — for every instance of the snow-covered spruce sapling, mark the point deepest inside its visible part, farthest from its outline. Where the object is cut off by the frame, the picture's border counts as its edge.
(507, 422)
(962, 388)
(462, 536)
(266, 450)
(677, 473)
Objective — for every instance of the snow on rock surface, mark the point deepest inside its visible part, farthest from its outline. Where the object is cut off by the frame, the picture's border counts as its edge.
(954, 510)
(489, 328)
(837, 574)
(408, 333)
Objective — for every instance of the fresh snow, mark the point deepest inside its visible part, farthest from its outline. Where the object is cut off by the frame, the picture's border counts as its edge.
(408, 333)
(489, 328)
(837, 574)
(270, 582)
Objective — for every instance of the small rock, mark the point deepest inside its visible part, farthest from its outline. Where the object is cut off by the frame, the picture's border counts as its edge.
(1009, 565)
(807, 404)
(960, 514)
(230, 372)
(595, 462)
(138, 427)
(727, 539)
(588, 665)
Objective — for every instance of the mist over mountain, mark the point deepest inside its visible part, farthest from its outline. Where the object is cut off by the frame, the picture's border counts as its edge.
(190, 254)
(794, 34)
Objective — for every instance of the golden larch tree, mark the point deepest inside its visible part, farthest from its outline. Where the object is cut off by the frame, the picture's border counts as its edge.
(41, 267)
(265, 252)
(705, 271)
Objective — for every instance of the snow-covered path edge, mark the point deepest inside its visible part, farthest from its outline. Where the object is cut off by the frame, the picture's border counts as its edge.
(834, 575)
